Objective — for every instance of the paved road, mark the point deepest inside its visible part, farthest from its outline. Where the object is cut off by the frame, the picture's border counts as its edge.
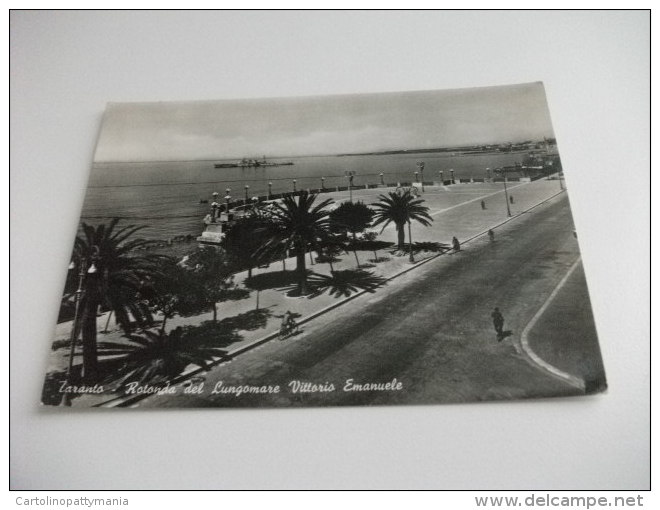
(430, 329)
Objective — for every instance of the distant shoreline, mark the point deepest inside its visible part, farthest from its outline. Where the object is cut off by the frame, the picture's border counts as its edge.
(463, 151)
(456, 151)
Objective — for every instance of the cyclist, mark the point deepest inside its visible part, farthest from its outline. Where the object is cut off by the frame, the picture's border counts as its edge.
(288, 324)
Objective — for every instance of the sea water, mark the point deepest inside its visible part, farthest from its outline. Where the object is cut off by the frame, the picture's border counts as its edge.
(165, 196)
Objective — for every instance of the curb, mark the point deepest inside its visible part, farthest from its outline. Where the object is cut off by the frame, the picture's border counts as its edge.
(127, 400)
(535, 358)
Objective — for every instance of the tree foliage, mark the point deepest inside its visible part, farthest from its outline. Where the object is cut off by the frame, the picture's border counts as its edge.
(400, 208)
(243, 240)
(212, 278)
(112, 277)
(298, 224)
(172, 293)
(351, 217)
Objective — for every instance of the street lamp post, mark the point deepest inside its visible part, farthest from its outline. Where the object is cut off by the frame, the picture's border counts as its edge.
(411, 258)
(89, 364)
(294, 186)
(214, 206)
(66, 397)
(451, 170)
(350, 188)
(381, 179)
(506, 195)
(322, 182)
(246, 193)
(270, 189)
(227, 200)
(421, 171)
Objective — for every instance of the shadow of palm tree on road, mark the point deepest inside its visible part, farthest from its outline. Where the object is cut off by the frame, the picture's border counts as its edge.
(430, 246)
(420, 247)
(344, 283)
(272, 280)
(154, 357)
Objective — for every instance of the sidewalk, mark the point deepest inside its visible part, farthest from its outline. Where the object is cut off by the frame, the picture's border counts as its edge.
(456, 211)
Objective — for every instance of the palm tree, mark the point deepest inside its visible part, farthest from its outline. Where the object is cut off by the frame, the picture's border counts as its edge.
(401, 209)
(298, 224)
(113, 277)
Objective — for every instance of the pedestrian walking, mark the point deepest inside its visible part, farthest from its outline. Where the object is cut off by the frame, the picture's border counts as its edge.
(483, 205)
(511, 198)
(455, 244)
(491, 235)
(498, 322)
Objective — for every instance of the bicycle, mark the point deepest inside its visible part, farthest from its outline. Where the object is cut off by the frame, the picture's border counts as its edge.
(288, 329)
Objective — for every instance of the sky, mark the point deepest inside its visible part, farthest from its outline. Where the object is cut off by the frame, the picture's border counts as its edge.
(322, 125)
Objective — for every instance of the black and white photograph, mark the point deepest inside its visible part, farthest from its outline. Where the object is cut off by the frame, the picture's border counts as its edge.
(349, 250)
(329, 249)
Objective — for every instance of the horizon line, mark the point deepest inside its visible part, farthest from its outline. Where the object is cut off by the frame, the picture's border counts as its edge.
(370, 153)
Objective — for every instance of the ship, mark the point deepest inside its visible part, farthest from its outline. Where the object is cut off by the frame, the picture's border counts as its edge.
(252, 163)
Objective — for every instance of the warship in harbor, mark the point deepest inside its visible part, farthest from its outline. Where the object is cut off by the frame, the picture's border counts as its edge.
(252, 163)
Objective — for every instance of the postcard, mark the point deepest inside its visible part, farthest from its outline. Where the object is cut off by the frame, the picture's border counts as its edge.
(369, 249)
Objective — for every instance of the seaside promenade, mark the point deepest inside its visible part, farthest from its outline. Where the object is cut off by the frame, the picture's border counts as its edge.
(456, 210)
